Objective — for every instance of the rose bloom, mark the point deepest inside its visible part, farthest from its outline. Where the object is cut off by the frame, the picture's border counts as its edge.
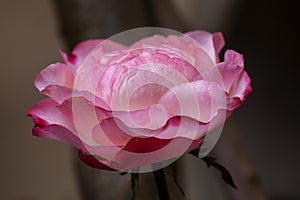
(126, 107)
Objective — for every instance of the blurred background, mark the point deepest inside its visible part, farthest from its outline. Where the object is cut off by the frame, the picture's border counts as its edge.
(266, 33)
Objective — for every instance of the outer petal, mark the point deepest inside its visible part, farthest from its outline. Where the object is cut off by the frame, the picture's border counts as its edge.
(233, 57)
(180, 47)
(147, 147)
(55, 81)
(84, 116)
(231, 69)
(240, 89)
(105, 51)
(98, 137)
(240, 83)
(153, 41)
(212, 43)
(55, 74)
(93, 162)
(147, 151)
(59, 133)
(231, 75)
(52, 124)
(80, 52)
(83, 49)
(189, 50)
(224, 73)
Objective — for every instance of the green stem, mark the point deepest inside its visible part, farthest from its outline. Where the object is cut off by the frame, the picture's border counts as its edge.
(161, 184)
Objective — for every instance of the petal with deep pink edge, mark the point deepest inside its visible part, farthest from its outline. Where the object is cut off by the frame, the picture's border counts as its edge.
(225, 73)
(93, 162)
(56, 81)
(46, 110)
(80, 52)
(229, 73)
(238, 92)
(59, 133)
(145, 151)
(52, 124)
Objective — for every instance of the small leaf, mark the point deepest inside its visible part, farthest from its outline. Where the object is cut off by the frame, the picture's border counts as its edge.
(211, 161)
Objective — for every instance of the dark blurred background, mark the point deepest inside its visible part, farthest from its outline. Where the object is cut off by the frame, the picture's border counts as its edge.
(266, 32)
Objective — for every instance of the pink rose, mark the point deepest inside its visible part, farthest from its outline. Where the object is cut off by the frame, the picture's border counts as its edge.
(125, 107)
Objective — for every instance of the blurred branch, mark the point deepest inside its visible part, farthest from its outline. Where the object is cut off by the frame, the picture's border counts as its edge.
(232, 154)
(86, 19)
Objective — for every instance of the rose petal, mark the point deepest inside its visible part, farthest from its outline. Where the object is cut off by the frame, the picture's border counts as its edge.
(52, 124)
(59, 133)
(175, 69)
(93, 162)
(199, 100)
(47, 111)
(57, 92)
(233, 57)
(146, 145)
(99, 47)
(116, 132)
(211, 43)
(219, 42)
(147, 42)
(99, 52)
(99, 81)
(187, 49)
(54, 75)
(86, 116)
(108, 133)
(139, 89)
(80, 52)
(224, 73)
(141, 152)
(179, 47)
(152, 118)
(238, 92)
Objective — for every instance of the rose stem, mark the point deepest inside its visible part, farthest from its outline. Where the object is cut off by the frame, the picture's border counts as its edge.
(161, 184)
